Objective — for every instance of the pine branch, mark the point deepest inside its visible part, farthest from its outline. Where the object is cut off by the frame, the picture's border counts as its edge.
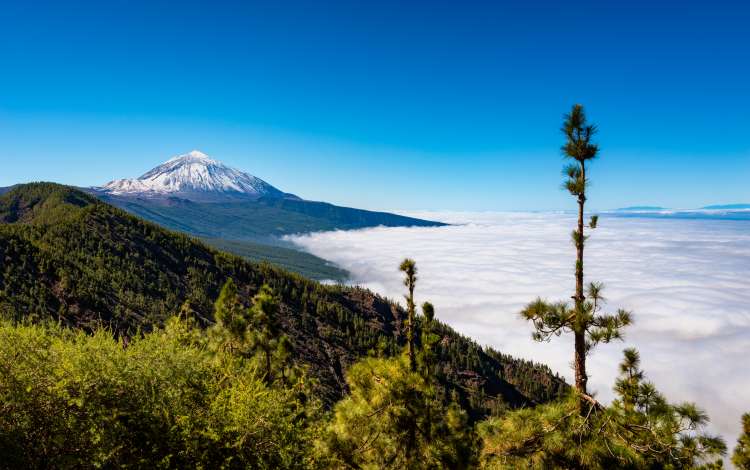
(548, 319)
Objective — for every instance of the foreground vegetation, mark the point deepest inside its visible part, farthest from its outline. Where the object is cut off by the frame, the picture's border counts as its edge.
(170, 399)
(229, 396)
(126, 346)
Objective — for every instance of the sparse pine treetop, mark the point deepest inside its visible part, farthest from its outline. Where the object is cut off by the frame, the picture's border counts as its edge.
(579, 134)
(741, 455)
(409, 267)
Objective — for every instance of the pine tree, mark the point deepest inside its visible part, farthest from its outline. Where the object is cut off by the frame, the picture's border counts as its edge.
(393, 417)
(255, 332)
(427, 355)
(429, 339)
(267, 337)
(663, 434)
(628, 384)
(409, 268)
(372, 426)
(741, 455)
(231, 314)
(584, 319)
(640, 430)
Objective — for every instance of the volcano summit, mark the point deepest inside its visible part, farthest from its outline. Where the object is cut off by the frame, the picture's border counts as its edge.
(194, 176)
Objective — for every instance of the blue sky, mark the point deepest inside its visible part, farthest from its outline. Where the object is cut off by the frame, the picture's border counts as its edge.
(395, 105)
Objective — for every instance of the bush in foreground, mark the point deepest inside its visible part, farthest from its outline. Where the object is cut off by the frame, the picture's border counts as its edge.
(165, 400)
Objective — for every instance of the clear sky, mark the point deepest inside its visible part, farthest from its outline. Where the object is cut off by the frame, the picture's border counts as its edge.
(394, 105)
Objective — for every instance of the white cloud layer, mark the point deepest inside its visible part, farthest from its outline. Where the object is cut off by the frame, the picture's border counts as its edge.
(687, 282)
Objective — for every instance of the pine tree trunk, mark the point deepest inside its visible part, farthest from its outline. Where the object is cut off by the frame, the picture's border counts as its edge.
(412, 446)
(410, 331)
(579, 361)
(269, 379)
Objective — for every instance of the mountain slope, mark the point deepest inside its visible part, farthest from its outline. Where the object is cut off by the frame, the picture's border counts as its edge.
(238, 212)
(265, 219)
(274, 252)
(296, 261)
(201, 196)
(71, 257)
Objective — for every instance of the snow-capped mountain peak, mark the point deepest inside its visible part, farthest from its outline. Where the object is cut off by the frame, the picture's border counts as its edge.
(192, 155)
(195, 175)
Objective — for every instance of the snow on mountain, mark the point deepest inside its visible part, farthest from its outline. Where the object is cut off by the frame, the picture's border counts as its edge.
(195, 174)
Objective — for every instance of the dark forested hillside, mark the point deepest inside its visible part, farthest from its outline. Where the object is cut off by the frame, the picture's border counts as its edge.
(262, 219)
(69, 256)
(252, 228)
(300, 262)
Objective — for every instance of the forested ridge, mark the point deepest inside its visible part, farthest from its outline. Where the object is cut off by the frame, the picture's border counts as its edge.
(69, 257)
(259, 219)
(253, 228)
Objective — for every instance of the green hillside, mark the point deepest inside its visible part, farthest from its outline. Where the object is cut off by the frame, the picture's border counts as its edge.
(290, 259)
(71, 257)
(261, 219)
(252, 228)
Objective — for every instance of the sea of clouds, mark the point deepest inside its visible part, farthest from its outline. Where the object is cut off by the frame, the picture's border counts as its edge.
(686, 281)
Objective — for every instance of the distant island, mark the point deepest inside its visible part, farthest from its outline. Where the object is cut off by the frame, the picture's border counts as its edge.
(640, 208)
(728, 206)
(660, 208)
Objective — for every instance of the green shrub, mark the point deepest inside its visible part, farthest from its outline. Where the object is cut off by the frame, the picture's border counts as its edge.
(164, 400)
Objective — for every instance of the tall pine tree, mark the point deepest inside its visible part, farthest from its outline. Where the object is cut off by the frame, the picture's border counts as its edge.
(409, 268)
(641, 429)
(392, 417)
(584, 318)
